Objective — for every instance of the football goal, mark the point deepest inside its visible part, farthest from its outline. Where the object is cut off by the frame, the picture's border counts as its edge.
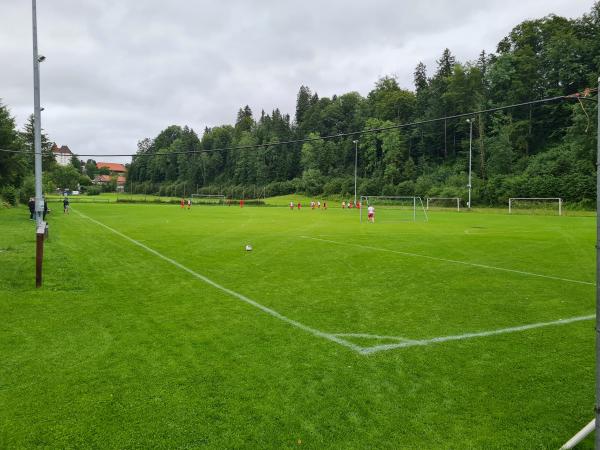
(443, 203)
(393, 209)
(208, 199)
(541, 205)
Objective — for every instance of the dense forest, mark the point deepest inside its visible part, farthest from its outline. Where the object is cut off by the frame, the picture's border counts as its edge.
(540, 150)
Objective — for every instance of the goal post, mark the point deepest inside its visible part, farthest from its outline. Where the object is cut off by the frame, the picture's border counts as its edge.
(208, 199)
(535, 205)
(393, 208)
(443, 202)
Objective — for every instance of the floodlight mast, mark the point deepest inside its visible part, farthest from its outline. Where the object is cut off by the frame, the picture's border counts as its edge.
(470, 121)
(597, 408)
(37, 121)
(355, 166)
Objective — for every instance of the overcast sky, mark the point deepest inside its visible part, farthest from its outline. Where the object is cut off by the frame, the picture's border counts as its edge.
(121, 70)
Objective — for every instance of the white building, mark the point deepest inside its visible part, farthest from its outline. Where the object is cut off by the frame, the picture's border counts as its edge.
(62, 155)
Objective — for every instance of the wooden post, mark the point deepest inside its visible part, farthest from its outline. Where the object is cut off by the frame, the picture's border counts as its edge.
(39, 252)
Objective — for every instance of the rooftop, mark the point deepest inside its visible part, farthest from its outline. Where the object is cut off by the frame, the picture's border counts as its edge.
(113, 167)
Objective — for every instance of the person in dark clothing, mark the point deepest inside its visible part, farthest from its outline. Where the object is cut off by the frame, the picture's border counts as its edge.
(66, 205)
(46, 210)
(31, 205)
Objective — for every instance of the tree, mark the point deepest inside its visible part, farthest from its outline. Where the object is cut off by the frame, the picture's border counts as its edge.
(13, 166)
(65, 177)
(310, 152)
(313, 181)
(76, 163)
(445, 64)
(420, 77)
(303, 103)
(90, 168)
(28, 136)
(500, 148)
(388, 102)
(244, 121)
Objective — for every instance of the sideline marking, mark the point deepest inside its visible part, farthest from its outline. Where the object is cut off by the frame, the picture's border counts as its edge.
(271, 312)
(435, 258)
(459, 337)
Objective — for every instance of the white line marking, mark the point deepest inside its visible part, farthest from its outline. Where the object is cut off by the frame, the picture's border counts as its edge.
(373, 336)
(271, 312)
(423, 342)
(454, 261)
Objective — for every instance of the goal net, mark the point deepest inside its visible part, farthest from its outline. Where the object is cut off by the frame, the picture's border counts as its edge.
(545, 205)
(208, 199)
(443, 203)
(393, 209)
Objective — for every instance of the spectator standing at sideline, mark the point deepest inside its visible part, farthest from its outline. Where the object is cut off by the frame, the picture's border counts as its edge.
(31, 205)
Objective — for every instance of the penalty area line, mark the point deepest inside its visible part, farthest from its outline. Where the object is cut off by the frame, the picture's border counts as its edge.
(453, 261)
(460, 337)
(237, 295)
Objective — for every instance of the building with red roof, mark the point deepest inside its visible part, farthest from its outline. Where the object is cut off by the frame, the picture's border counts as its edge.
(115, 168)
(105, 179)
(117, 173)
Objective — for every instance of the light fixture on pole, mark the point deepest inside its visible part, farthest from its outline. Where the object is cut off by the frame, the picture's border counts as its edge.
(355, 166)
(470, 122)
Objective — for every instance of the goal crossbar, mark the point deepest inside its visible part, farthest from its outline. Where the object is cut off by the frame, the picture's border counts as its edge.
(550, 199)
(213, 198)
(208, 195)
(414, 202)
(457, 199)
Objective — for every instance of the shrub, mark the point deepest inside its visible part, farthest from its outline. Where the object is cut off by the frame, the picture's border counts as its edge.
(93, 190)
(27, 189)
(333, 187)
(10, 194)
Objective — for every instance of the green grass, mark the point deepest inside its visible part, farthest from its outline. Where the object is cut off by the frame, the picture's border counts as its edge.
(122, 349)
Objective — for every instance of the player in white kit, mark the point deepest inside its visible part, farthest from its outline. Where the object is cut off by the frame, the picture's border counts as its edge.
(371, 214)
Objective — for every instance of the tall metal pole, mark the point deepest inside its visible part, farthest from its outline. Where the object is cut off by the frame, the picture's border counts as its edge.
(597, 408)
(470, 157)
(37, 121)
(355, 167)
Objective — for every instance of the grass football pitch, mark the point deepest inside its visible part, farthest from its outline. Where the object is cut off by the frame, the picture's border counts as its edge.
(154, 328)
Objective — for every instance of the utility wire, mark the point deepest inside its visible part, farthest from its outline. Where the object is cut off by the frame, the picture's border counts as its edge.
(575, 96)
